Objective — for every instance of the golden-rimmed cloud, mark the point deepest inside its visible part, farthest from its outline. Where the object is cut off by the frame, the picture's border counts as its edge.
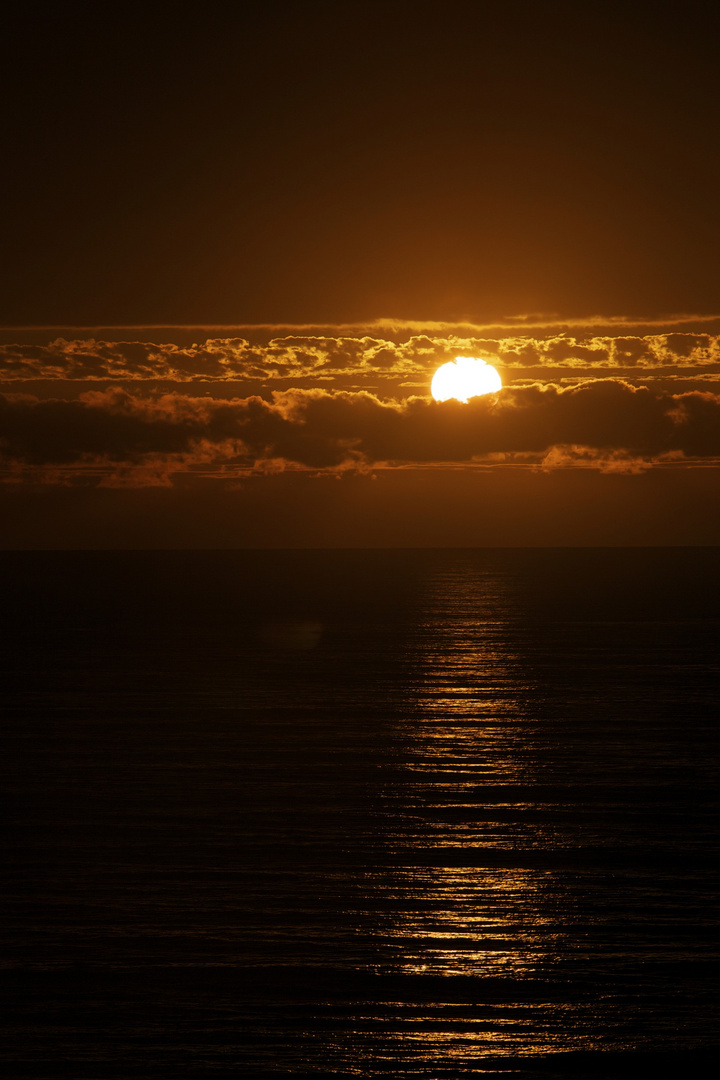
(332, 359)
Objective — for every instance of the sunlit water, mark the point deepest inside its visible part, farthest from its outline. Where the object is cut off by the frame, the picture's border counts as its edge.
(409, 813)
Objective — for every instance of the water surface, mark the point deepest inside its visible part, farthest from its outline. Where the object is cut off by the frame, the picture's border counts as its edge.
(357, 813)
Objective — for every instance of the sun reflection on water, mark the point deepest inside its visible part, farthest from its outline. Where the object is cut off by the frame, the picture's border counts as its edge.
(472, 921)
(466, 747)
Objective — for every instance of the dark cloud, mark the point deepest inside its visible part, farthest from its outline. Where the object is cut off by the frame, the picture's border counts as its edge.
(114, 436)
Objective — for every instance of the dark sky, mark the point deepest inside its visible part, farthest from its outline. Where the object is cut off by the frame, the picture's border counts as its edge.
(331, 162)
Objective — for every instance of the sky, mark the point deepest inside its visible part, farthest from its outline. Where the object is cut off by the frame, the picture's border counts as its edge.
(239, 238)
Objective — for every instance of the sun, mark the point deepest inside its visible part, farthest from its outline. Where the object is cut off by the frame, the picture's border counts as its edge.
(463, 378)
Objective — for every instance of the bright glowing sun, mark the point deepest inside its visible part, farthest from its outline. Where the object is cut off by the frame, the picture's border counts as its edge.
(463, 378)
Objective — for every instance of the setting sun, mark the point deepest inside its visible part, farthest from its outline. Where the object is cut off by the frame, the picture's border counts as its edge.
(463, 378)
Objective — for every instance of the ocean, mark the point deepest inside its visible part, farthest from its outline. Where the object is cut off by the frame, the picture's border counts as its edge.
(413, 813)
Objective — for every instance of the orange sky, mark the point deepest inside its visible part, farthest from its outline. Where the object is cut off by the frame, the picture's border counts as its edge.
(238, 240)
(280, 437)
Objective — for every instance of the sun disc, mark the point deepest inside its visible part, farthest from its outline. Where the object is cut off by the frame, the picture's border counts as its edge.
(463, 378)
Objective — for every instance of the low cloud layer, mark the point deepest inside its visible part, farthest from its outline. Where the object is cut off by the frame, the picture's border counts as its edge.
(335, 357)
(119, 437)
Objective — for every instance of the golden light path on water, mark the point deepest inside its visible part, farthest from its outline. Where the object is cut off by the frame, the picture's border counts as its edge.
(467, 909)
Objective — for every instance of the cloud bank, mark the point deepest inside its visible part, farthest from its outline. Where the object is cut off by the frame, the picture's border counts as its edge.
(118, 437)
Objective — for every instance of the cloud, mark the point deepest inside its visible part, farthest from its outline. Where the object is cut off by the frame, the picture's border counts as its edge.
(606, 461)
(117, 437)
(334, 358)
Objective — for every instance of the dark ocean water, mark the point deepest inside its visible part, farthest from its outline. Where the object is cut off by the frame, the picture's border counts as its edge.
(361, 813)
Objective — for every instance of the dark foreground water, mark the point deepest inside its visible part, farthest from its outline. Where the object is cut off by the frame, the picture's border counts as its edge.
(405, 813)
